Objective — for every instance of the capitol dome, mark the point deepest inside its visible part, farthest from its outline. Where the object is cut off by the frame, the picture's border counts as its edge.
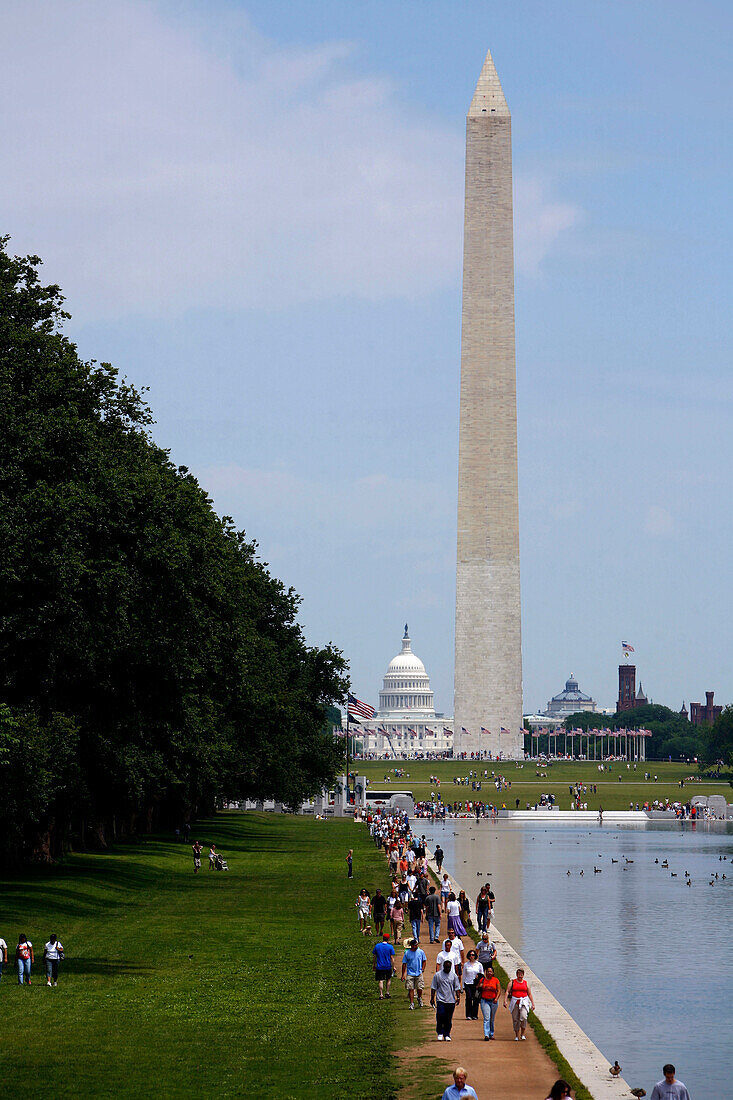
(406, 684)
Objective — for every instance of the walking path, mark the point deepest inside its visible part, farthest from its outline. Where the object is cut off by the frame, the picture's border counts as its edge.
(503, 1068)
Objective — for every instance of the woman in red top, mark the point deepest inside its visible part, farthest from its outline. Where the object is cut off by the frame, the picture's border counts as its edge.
(521, 998)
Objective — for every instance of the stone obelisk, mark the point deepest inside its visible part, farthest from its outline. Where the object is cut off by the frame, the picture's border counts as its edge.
(488, 670)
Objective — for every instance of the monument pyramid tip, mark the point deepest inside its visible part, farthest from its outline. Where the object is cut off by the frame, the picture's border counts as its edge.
(488, 97)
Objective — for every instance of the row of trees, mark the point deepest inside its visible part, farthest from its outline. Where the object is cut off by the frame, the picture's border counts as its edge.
(672, 734)
(149, 662)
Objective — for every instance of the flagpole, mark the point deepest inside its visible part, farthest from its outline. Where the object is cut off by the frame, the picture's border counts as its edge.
(348, 798)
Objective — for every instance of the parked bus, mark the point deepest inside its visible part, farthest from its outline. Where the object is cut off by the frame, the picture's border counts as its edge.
(390, 800)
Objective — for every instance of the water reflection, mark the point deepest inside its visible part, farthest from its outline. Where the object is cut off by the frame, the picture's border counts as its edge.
(641, 960)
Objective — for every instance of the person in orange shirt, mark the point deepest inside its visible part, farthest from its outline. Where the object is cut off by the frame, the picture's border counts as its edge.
(489, 991)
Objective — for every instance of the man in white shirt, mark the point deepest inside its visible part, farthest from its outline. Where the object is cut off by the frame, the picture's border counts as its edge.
(459, 953)
(3, 955)
(52, 952)
(451, 955)
(669, 1088)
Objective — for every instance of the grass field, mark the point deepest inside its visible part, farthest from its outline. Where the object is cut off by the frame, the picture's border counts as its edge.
(527, 784)
(249, 983)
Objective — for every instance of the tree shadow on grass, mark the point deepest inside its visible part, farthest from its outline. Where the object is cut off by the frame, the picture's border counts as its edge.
(106, 967)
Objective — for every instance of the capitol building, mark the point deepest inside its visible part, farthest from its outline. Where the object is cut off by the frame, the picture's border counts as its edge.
(406, 721)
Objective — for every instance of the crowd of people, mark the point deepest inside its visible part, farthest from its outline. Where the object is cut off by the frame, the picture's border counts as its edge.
(462, 972)
(53, 953)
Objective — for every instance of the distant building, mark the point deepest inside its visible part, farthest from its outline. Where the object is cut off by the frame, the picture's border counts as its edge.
(704, 714)
(683, 710)
(626, 687)
(406, 721)
(569, 701)
(640, 699)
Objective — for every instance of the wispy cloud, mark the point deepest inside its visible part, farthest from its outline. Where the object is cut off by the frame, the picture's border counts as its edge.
(540, 221)
(159, 164)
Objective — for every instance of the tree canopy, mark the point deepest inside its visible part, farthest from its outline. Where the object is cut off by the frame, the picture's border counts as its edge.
(150, 664)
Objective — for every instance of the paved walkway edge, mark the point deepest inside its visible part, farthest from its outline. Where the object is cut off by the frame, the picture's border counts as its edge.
(576, 1047)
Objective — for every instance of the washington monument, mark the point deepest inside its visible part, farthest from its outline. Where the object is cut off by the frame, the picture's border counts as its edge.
(488, 672)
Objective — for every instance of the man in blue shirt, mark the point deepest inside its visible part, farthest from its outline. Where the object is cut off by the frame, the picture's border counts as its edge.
(414, 962)
(382, 964)
(459, 1090)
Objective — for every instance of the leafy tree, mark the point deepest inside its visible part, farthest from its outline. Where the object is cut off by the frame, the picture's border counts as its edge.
(132, 612)
(717, 742)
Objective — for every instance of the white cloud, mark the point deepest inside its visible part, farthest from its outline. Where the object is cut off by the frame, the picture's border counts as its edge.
(539, 222)
(159, 164)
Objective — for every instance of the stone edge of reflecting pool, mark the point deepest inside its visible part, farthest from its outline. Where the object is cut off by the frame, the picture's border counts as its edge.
(586, 1060)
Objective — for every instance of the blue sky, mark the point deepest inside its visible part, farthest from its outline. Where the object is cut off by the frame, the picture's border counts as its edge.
(256, 210)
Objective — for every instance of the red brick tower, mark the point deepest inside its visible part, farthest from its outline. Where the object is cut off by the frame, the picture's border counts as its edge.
(626, 687)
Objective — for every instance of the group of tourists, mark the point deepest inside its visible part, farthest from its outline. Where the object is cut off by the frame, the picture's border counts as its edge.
(458, 972)
(53, 953)
(461, 971)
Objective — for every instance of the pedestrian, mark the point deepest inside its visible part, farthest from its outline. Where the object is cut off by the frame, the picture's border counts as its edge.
(482, 909)
(25, 958)
(454, 913)
(52, 953)
(445, 891)
(196, 849)
(520, 995)
(458, 953)
(3, 955)
(363, 908)
(350, 863)
(445, 994)
(382, 964)
(379, 911)
(559, 1091)
(414, 962)
(187, 831)
(432, 912)
(489, 991)
(439, 855)
(459, 1090)
(212, 857)
(472, 973)
(486, 950)
(415, 912)
(669, 1088)
(397, 919)
(465, 910)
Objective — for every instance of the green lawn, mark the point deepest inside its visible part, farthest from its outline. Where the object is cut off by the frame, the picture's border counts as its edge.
(527, 785)
(249, 983)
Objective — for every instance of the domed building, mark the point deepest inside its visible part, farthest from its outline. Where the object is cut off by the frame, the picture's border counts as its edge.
(570, 701)
(406, 684)
(406, 721)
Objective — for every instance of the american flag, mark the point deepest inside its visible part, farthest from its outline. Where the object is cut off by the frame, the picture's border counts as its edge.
(427, 730)
(504, 730)
(358, 709)
(523, 730)
(485, 730)
(447, 732)
(382, 730)
(627, 647)
(463, 729)
(339, 733)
